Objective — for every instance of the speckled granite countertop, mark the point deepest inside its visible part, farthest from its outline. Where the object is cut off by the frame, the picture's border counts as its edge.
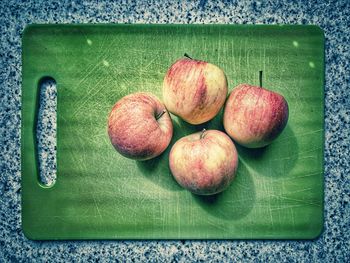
(332, 16)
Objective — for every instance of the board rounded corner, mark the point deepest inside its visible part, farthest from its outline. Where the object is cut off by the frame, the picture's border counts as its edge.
(317, 231)
(27, 232)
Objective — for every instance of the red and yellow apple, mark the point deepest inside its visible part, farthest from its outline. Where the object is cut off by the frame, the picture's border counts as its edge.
(139, 126)
(205, 162)
(254, 116)
(194, 90)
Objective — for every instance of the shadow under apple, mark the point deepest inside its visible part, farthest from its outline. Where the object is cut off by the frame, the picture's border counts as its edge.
(157, 169)
(274, 160)
(235, 202)
(214, 124)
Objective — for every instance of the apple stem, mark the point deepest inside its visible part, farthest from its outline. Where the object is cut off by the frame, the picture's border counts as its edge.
(187, 56)
(160, 114)
(202, 134)
(260, 78)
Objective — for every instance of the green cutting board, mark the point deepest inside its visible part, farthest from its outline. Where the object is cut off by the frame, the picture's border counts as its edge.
(278, 191)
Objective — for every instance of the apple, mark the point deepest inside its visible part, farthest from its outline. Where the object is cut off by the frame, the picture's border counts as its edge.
(255, 116)
(205, 162)
(194, 90)
(139, 126)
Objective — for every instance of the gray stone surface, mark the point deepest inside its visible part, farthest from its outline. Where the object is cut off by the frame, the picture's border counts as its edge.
(333, 16)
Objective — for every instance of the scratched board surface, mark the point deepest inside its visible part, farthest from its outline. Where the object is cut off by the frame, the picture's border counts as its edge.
(278, 191)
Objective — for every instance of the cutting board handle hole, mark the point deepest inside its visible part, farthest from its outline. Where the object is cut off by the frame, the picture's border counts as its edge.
(45, 129)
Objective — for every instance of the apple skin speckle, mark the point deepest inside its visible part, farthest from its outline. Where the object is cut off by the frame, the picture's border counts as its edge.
(204, 165)
(255, 116)
(194, 90)
(139, 126)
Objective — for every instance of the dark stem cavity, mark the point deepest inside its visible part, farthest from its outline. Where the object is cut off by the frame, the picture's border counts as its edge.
(260, 78)
(187, 56)
(160, 114)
